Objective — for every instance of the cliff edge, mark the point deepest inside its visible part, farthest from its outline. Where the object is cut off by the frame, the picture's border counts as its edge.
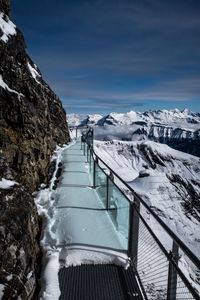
(32, 123)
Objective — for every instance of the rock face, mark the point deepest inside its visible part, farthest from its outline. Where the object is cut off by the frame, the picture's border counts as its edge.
(32, 119)
(19, 235)
(177, 138)
(32, 123)
(19, 250)
(5, 6)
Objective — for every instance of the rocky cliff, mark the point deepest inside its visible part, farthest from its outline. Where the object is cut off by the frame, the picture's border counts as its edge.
(5, 6)
(19, 234)
(32, 119)
(32, 123)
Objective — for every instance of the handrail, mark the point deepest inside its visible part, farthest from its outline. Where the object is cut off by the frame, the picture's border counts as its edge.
(185, 249)
(127, 199)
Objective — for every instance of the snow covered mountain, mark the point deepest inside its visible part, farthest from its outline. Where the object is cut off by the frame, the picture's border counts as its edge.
(178, 129)
(167, 179)
(83, 120)
(159, 117)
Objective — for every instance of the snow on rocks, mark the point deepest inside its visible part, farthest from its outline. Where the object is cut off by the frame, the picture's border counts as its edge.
(6, 87)
(50, 262)
(34, 72)
(7, 27)
(2, 286)
(6, 184)
(83, 120)
(75, 119)
(93, 119)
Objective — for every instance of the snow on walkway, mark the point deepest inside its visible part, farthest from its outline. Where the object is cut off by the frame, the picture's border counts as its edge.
(76, 227)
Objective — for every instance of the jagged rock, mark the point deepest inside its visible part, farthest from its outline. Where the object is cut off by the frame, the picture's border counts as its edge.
(143, 173)
(19, 234)
(178, 138)
(19, 249)
(32, 123)
(32, 119)
(191, 203)
(52, 168)
(5, 6)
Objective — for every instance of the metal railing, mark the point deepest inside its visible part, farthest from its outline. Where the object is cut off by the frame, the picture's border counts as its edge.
(163, 273)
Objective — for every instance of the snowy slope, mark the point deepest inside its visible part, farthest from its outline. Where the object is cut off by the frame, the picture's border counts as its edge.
(75, 119)
(168, 180)
(7, 28)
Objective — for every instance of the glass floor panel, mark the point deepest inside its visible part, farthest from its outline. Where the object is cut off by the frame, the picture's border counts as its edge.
(92, 228)
(78, 197)
(71, 157)
(75, 167)
(75, 178)
(80, 218)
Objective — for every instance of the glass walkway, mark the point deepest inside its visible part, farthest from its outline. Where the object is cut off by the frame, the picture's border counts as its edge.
(81, 218)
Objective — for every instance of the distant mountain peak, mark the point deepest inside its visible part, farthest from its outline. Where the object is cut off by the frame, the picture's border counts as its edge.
(186, 111)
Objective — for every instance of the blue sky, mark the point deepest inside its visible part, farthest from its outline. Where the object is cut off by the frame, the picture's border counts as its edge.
(115, 55)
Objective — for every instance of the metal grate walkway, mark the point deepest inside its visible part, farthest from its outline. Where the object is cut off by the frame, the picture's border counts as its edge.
(98, 282)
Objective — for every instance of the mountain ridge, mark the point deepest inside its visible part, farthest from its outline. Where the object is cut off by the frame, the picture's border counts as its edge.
(178, 129)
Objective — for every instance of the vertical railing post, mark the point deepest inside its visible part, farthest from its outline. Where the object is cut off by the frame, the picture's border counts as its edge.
(94, 174)
(76, 132)
(109, 189)
(172, 273)
(84, 147)
(90, 158)
(87, 152)
(134, 230)
(107, 193)
(92, 136)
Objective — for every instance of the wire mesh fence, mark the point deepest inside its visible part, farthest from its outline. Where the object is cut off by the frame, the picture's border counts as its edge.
(151, 265)
(163, 274)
